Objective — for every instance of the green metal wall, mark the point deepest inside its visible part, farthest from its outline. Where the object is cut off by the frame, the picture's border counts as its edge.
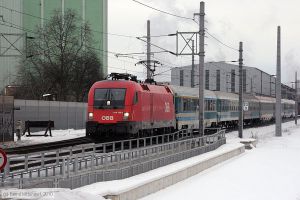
(95, 14)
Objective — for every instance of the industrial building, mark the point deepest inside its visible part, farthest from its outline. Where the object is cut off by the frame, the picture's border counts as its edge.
(19, 19)
(221, 76)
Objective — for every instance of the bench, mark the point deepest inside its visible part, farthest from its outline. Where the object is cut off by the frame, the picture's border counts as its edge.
(38, 124)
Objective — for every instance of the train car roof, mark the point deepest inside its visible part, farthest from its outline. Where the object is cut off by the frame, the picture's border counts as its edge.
(250, 97)
(265, 99)
(288, 101)
(226, 95)
(191, 92)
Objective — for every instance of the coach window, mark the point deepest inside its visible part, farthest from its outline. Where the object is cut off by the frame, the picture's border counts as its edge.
(195, 104)
(185, 104)
(222, 105)
(210, 105)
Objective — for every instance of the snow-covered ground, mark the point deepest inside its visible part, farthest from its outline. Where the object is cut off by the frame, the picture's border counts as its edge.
(271, 171)
(57, 135)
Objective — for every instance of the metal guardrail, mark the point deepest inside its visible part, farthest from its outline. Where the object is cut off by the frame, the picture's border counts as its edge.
(24, 165)
(75, 170)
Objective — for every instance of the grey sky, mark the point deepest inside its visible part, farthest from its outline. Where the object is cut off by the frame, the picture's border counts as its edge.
(254, 22)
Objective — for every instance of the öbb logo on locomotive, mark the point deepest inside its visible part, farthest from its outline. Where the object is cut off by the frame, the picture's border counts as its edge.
(107, 118)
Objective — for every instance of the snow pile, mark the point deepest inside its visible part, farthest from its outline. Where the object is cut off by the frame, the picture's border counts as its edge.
(57, 135)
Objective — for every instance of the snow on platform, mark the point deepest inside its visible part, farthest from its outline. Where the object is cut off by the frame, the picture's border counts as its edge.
(57, 135)
(270, 171)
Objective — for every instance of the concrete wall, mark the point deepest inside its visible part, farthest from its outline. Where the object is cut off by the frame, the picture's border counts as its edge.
(66, 115)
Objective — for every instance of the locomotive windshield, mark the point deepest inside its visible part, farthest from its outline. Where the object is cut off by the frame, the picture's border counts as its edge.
(109, 98)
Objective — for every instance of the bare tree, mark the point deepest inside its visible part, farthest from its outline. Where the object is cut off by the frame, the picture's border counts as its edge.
(59, 60)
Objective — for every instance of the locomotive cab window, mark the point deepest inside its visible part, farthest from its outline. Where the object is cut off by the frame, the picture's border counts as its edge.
(109, 98)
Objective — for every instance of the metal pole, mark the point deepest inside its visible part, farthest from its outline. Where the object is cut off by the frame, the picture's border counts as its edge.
(278, 87)
(148, 51)
(193, 66)
(241, 90)
(201, 68)
(296, 98)
(2, 119)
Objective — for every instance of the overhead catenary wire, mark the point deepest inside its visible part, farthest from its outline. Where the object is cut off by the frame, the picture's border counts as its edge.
(42, 18)
(157, 46)
(232, 48)
(162, 11)
(137, 53)
(119, 35)
(102, 52)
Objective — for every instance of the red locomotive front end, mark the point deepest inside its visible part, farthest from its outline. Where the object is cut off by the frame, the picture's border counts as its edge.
(123, 108)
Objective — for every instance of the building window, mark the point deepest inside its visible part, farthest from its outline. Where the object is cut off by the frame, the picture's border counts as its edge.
(181, 77)
(233, 81)
(218, 80)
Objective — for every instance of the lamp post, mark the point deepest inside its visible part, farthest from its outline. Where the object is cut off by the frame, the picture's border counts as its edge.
(48, 95)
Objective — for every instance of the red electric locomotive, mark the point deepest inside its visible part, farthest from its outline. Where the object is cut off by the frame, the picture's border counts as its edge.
(125, 108)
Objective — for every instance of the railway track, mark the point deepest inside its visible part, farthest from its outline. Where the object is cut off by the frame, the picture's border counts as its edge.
(48, 146)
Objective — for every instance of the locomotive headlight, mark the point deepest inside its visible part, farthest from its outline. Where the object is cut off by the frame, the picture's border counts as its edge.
(91, 115)
(126, 115)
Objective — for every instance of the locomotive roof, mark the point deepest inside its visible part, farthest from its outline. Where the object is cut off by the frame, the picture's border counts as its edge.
(191, 92)
(126, 82)
(138, 86)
